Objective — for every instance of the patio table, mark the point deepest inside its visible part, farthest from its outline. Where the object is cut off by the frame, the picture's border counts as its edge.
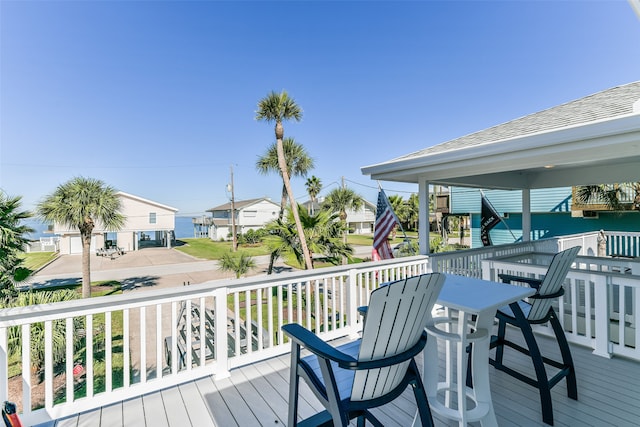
(470, 297)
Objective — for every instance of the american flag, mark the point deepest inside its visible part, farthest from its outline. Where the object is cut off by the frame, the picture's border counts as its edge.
(385, 221)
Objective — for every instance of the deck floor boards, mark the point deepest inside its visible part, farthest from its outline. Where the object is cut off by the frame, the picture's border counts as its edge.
(258, 394)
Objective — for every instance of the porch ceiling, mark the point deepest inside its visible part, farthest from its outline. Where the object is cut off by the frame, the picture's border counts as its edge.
(604, 150)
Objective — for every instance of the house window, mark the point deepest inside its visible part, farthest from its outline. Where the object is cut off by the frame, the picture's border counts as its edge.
(152, 217)
(250, 214)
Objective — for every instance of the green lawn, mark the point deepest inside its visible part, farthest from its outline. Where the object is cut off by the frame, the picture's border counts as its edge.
(208, 249)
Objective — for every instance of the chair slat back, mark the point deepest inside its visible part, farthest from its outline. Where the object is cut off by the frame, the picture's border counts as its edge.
(396, 318)
(553, 281)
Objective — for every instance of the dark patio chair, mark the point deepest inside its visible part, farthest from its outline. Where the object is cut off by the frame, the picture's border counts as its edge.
(539, 311)
(352, 378)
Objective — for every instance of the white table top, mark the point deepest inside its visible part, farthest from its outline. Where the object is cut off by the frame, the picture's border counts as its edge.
(474, 296)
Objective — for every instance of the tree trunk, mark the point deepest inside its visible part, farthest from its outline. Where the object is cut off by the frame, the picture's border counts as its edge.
(294, 206)
(283, 204)
(86, 266)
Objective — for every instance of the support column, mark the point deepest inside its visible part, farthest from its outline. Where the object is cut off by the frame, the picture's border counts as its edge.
(526, 215)
(423, 216)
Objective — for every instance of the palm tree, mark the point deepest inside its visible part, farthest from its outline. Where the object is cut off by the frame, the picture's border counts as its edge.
(83, 203)
(277, 107)
(314, 185)
(12, 239)
(239, 263)
(400, 208)
(608, 195)
(298, 164)
(413, 214)
(339, 200)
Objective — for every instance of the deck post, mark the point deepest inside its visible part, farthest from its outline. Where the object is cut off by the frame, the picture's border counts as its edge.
(601, 301)
(352, 303)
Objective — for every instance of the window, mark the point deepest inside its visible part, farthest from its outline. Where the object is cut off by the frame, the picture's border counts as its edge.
(250, 214)
(152, 217)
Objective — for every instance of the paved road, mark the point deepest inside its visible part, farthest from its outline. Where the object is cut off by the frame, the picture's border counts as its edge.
(149, 267)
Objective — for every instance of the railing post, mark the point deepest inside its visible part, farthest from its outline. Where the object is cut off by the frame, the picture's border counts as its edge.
(352, 303)
(220, 340)
(601, 300)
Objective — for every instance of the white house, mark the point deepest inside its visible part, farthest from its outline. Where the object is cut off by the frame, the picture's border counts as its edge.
(359, 221)
(249, 215)
(147, 223)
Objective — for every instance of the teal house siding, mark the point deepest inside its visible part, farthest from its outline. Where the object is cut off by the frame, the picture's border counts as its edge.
(550, 215)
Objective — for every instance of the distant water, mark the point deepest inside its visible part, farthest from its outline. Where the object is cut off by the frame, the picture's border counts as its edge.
(184, 228)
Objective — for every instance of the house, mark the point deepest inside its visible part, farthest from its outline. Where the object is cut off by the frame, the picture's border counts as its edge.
(588, 141)
(250, 214)
(147, 223)
(554, 212)
(359, 221)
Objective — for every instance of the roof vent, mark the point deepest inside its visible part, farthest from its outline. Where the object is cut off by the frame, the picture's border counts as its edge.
(636, 106)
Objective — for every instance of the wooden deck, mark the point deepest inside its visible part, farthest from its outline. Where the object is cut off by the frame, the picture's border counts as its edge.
(257, 394)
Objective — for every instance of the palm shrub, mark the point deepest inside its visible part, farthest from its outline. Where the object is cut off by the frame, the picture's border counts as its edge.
(14, 335)
(12, 241)
(239, 263)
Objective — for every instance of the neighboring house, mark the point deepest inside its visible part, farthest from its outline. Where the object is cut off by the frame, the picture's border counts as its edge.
(553, 213)
(591, 140)
(359, 222)
(249, 215)
(147, 223)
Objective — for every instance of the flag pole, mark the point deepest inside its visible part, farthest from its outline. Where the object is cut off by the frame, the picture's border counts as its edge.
(499, 216)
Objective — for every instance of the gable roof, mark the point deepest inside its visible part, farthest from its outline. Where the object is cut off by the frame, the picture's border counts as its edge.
(241, 204)
(592, 140)
(145, 201)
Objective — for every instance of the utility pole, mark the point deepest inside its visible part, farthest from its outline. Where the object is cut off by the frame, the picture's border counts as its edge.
(233, 215)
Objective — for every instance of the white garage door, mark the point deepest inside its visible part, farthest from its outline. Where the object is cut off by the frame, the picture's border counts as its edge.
(75, 246)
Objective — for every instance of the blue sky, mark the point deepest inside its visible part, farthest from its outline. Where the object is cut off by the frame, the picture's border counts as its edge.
(158, 99)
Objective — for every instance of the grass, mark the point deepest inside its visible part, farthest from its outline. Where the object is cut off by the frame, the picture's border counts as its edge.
(36, 260)
(208, 249)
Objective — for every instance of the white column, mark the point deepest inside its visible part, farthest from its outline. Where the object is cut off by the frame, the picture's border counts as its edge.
(423, 216)
(526, 215)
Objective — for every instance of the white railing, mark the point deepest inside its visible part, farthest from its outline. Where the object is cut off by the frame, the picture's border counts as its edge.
(88, 353)
(599, 308)
(148, 340)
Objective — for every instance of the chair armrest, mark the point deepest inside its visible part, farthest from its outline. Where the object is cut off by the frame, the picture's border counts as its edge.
(556, 294)
(362, 310)
(311, 342)
(508, 278)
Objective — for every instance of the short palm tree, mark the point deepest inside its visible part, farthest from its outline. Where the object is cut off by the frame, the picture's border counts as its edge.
(239, 263)
(12, 239)
(341, 199)
(82, 203)
(314, 185)
(400, 208)
(323, 232)
(277, 107)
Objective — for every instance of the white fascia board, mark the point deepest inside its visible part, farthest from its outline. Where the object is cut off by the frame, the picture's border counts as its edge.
(546, 146)
(147, 201)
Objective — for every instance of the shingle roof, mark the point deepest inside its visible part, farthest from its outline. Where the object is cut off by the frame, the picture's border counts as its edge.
(617, 101)
(239, 204)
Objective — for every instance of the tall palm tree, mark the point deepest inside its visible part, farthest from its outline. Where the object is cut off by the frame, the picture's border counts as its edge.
(298, 164)
(12, 239)
(314, 185)
(277, 107)
(339, 200)
(413, 206)
(82, 203)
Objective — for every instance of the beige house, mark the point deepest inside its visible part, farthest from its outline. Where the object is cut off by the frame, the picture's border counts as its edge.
(147, 223)
(249, 215)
